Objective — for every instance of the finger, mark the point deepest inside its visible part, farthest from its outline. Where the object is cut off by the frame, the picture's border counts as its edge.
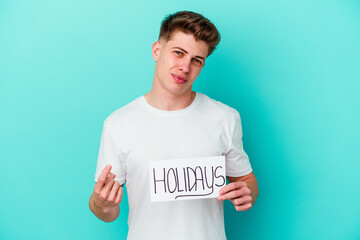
(235, 194)
(106, 189)
(243, 207)
(231, 195)
(241, 201)
(109, 177)
(119, 195)
(105, 172)
(102, 178)
(232, 186)
(113, 192)
(98, 187)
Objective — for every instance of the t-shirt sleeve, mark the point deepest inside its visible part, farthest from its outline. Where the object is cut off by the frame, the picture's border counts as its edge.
(237, 161)
(109, 153)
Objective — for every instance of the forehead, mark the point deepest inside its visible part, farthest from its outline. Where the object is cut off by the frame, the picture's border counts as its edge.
(188, 42)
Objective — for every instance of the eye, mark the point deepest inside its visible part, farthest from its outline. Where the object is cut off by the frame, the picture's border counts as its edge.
(197, 61)
(178, 53)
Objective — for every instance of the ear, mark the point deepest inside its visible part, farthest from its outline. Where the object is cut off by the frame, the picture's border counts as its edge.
(156, 47)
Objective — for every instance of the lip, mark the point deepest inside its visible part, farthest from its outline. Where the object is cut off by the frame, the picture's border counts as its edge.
(179, 79)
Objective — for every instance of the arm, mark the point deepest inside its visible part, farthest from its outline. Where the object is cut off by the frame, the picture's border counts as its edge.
(106, 197)
(241, 191)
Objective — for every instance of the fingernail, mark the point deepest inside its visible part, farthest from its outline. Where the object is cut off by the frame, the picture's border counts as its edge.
(108, 166)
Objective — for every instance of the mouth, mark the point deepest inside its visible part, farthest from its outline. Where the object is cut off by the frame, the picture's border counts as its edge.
(179, 79)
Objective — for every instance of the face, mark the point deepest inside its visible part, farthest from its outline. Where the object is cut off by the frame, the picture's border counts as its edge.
(179, 62)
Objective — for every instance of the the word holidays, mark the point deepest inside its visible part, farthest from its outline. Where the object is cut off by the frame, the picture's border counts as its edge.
(182, 179)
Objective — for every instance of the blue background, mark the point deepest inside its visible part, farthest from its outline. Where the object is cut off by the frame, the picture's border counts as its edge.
(291, 68)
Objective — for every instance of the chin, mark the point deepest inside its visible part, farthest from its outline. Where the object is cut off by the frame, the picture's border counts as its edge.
(180, 91)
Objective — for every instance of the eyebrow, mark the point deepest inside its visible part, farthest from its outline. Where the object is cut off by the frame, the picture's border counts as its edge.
(187, 52)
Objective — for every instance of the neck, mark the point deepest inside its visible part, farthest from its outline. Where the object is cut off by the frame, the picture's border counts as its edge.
(169, 102)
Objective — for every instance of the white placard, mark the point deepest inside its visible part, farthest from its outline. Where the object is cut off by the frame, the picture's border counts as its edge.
(190, 178)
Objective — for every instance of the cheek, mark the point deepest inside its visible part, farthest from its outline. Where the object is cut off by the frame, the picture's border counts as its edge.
(168, 62)
(163, 65)
(197, 71)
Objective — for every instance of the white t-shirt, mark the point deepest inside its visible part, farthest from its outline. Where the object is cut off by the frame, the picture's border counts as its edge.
(138, 133)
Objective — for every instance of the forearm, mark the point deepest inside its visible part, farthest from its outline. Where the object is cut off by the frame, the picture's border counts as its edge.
(104, 214)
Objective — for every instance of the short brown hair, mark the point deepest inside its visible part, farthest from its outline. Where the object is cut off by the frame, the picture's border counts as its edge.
(190, 22)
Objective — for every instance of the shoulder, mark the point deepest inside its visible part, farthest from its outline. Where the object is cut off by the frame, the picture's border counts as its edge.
(128, 111)
(219, 108)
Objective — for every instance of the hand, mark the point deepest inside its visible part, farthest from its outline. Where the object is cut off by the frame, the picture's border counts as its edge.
(107, 192)
(239, 194)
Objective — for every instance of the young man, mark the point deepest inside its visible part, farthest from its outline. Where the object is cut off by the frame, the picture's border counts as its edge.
(172, 122)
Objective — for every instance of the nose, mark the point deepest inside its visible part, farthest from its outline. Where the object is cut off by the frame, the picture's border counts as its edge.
(184, 65)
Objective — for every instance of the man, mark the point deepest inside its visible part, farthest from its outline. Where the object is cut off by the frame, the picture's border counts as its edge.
(172, 122)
